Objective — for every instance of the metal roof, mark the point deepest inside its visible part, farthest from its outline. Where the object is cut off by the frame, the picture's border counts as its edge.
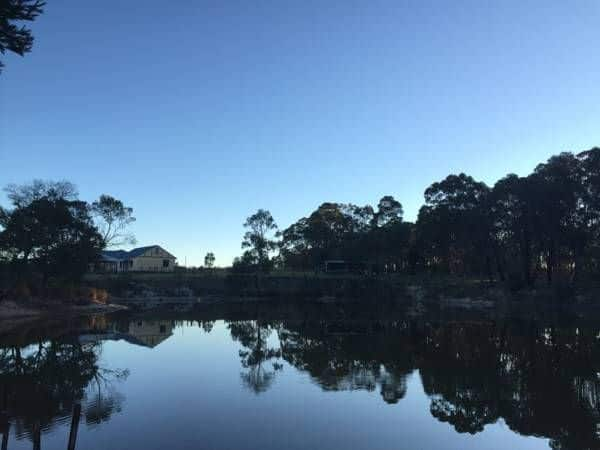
(139, 251)
(122, 255)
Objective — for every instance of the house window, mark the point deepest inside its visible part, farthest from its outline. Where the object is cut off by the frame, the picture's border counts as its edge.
(163, 329)
(165, 263)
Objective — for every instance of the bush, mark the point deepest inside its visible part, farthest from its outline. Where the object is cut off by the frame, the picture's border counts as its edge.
(22, 291)
(515, 282)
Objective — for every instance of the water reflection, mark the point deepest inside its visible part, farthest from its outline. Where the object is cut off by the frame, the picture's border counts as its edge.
(258, 358)
(50, 382)
(540, 380)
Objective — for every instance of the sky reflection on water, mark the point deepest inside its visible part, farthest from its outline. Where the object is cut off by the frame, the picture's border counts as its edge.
(159, 383)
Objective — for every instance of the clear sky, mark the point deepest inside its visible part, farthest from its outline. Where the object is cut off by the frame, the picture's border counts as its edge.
(198, 113)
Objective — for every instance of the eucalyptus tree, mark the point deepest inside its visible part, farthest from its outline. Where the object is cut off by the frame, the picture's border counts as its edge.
(50, 232)
(113, 218)
(453, 224)
(14, 36)
(209, 260)
(260, 237)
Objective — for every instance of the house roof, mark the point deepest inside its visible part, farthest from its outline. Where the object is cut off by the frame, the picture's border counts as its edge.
(122, 255)
(114, 255)
(139, 251)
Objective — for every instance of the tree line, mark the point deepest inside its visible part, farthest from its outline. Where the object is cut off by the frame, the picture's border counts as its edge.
(543, 226)
(49, 235)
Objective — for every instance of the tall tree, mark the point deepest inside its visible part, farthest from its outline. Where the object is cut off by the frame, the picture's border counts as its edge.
(56, 237)
(387, 237)
(15, 38)
(21, 195)
(113, 218)
(389, 211)
(559, 196)
(454, 224)
(294, 248)
(259, 238)
(337, 230)
(513, 221)
(589, 254)
(48, 231)
(209, 260)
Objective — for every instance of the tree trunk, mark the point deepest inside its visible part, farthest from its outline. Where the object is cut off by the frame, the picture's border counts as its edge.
(499, 264)
(525, 262)
(37, 436)
(74, 426)
(550, 263)
(5, 436)
(488, 265)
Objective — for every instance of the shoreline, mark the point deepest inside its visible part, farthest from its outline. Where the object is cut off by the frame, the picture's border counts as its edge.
(416, 295)
(10, 309)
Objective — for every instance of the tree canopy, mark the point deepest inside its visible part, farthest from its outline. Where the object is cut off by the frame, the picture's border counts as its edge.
(259, 239)
(545, 225)
(14, 36)
(113, 218)
(48, 231)
(209, 260)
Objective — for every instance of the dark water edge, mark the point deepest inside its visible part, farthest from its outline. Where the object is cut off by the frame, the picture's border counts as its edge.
(314, 285)
(218, 307)
(422, 292)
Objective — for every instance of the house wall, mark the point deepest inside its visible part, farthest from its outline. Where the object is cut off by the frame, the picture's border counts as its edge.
(108, 267)
(151, 333)
(152, 261)
(104, 267)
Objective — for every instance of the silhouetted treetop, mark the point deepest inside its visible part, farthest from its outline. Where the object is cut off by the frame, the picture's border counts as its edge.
(23, 195)
(113, 218)
(521, 230)
(259, 240)
(14, 36)
(459, 192)
(389, 211)
(48, 231)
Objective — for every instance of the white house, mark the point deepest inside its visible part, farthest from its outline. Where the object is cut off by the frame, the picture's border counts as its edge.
(152, 258)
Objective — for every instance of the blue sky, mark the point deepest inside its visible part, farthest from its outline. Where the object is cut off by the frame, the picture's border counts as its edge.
(198, 113)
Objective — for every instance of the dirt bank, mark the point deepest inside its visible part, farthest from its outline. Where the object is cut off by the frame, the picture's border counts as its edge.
(12, 310)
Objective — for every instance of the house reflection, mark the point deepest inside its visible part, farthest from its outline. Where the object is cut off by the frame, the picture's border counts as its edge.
(145, 333)
(150, 333)
(539, 379)
(46, 382)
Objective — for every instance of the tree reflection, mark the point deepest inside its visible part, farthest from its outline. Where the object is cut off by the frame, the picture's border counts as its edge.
(458, 369)
(253, 336)
(349, 356)
(206, 325)
(42, 384)
(541, 381)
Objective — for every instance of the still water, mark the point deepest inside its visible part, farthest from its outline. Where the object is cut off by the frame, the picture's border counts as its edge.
(394, 383)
